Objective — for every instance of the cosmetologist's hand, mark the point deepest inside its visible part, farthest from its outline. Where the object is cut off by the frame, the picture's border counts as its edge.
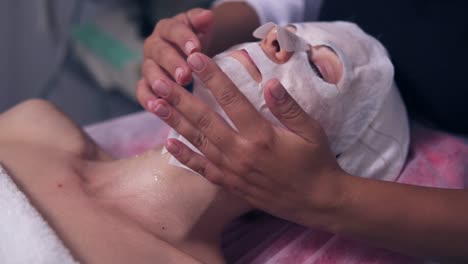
(290, 173)
(166, 50)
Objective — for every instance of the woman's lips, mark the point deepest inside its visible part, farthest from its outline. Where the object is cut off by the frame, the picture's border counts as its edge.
(244, 58)
(247, 55)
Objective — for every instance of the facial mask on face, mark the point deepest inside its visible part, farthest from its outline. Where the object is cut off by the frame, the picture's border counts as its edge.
(314, 95)
(345, 111)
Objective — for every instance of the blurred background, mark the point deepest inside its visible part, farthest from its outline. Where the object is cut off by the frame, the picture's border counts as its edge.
(82, 55)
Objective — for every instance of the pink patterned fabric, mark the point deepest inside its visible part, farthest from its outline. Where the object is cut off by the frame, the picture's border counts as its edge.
(435, 159)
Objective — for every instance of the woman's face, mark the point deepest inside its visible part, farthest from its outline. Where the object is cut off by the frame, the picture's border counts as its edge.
(338, 74)
(323, 60)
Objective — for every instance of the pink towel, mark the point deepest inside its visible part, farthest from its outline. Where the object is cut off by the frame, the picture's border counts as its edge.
(435, 159)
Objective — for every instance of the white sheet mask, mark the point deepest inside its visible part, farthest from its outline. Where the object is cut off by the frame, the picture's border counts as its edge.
(315, 96)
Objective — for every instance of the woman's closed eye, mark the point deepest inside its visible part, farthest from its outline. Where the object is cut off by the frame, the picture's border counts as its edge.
(326, 64)
(315, 69)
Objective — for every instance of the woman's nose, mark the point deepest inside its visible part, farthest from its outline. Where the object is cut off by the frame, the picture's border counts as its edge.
(273, 49)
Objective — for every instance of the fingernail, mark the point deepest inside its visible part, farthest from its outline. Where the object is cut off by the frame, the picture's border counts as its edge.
(204, 12)
(151, 105)
(199, 11)
(161, 111)
(172, 148)
(278, 91)
(179, 73)
(190, 46)
(161, 88)
(196, 62)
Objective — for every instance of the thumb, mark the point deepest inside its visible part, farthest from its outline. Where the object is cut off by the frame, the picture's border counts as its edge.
(201, 20)
(289, 112)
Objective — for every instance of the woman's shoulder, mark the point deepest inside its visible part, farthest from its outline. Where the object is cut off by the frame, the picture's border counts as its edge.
(39, 122)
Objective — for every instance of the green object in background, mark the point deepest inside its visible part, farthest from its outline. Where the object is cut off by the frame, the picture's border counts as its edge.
(104, 46)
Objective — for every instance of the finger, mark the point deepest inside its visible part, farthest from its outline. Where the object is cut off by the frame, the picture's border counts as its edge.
(179, 31)
(169, 59)
(144, 94)
(197, 113)
(152, 72)
(207, 169)
(289, 112)
(175, 120)
(234, 103)
(202, 20)
(194, 161)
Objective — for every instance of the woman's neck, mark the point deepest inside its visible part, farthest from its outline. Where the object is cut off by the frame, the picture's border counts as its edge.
(172, 203)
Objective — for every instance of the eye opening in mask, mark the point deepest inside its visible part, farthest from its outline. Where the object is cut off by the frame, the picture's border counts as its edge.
(314, 67)
(330, 66)
(326, 63)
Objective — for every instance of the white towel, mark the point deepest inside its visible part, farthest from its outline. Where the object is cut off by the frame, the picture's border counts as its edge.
(25, 237)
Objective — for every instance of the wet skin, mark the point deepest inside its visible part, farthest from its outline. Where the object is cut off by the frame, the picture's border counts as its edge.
(138, 210)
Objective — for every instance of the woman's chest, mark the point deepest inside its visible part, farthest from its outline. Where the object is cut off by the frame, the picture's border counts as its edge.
(54, 184)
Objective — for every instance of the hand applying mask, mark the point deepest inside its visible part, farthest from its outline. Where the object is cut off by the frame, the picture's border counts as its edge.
(173, 39)
(293, 173)
(251, 65)
(351, 105)
(243, 148)
(319, 80)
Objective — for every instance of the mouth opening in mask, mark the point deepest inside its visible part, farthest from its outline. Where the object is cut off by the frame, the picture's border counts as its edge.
(244, 58)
